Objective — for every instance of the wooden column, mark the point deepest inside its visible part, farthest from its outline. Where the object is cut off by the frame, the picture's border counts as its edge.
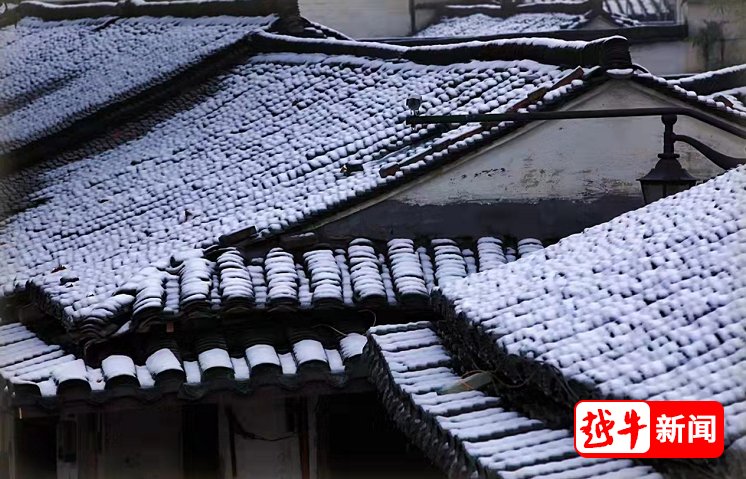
(201, 455)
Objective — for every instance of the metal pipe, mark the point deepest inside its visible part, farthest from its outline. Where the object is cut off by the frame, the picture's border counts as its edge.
(578, 115)
(723, 161)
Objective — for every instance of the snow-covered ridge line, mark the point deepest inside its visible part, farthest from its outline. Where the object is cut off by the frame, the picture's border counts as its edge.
(398, 274)
(569, 7)
(710, 102)
(244, 359)
(714, 81)
(126, 8)
(543, 50)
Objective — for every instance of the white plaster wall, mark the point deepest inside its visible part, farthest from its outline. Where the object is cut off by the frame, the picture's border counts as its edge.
(571, 159)
(734, 26)
(258, 459)
(369, 18)
(664, 58)
(140, 444)
(360, 18)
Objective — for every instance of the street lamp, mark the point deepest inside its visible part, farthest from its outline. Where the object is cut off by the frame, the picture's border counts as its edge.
(667, 177)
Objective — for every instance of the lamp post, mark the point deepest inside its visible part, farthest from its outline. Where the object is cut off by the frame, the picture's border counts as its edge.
(666, 178)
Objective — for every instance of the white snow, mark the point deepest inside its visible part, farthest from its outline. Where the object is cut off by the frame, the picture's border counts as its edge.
(193, 373)
(214, 358)
(240, 369)
(287, 362)
(162, 360)
(352, 345)
(118, 365)
(73, 370)
(261, 354)
(307, 350)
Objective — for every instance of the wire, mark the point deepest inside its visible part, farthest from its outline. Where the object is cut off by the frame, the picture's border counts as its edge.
(330, 327)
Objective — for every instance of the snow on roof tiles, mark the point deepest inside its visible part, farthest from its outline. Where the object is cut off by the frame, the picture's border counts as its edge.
(53, 73)
(714, 102)
(642, 10)
(240, 362)
(727, 85)
(649, 305)
(361, 274)
(470, 433)
(479, 24)
(262, 145)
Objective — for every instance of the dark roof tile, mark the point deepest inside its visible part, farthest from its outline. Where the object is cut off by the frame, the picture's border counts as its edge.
(470, 433)
(38, 371)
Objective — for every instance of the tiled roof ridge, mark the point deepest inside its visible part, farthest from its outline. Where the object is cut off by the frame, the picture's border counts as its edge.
(610, 52)
(681, 92)
(710, 82)
(159, 8)
(39, 372)
(360, 274)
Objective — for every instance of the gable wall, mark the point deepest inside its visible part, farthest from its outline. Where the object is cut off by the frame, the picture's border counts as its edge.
(548, 180)
(369, 18)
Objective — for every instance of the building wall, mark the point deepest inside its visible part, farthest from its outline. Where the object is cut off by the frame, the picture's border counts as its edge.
(732, 49)
(127, 444)
(368, 18)
(664, 58)
(275, 452)
(548, 180)
(360, 18)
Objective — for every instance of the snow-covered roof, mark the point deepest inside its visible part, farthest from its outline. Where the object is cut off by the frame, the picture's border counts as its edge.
(242, 361)
(642, 10)
(649, 305)
(486, 20)
(479, 24)
(53, 73)
(726, 84)
(361, 274)
(471, 433)
(299, 130)
(263, 145)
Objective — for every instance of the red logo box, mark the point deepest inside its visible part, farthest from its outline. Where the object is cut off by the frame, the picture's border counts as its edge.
(651, 429)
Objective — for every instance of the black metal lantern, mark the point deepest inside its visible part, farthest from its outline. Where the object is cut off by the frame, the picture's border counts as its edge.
(667, 178)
